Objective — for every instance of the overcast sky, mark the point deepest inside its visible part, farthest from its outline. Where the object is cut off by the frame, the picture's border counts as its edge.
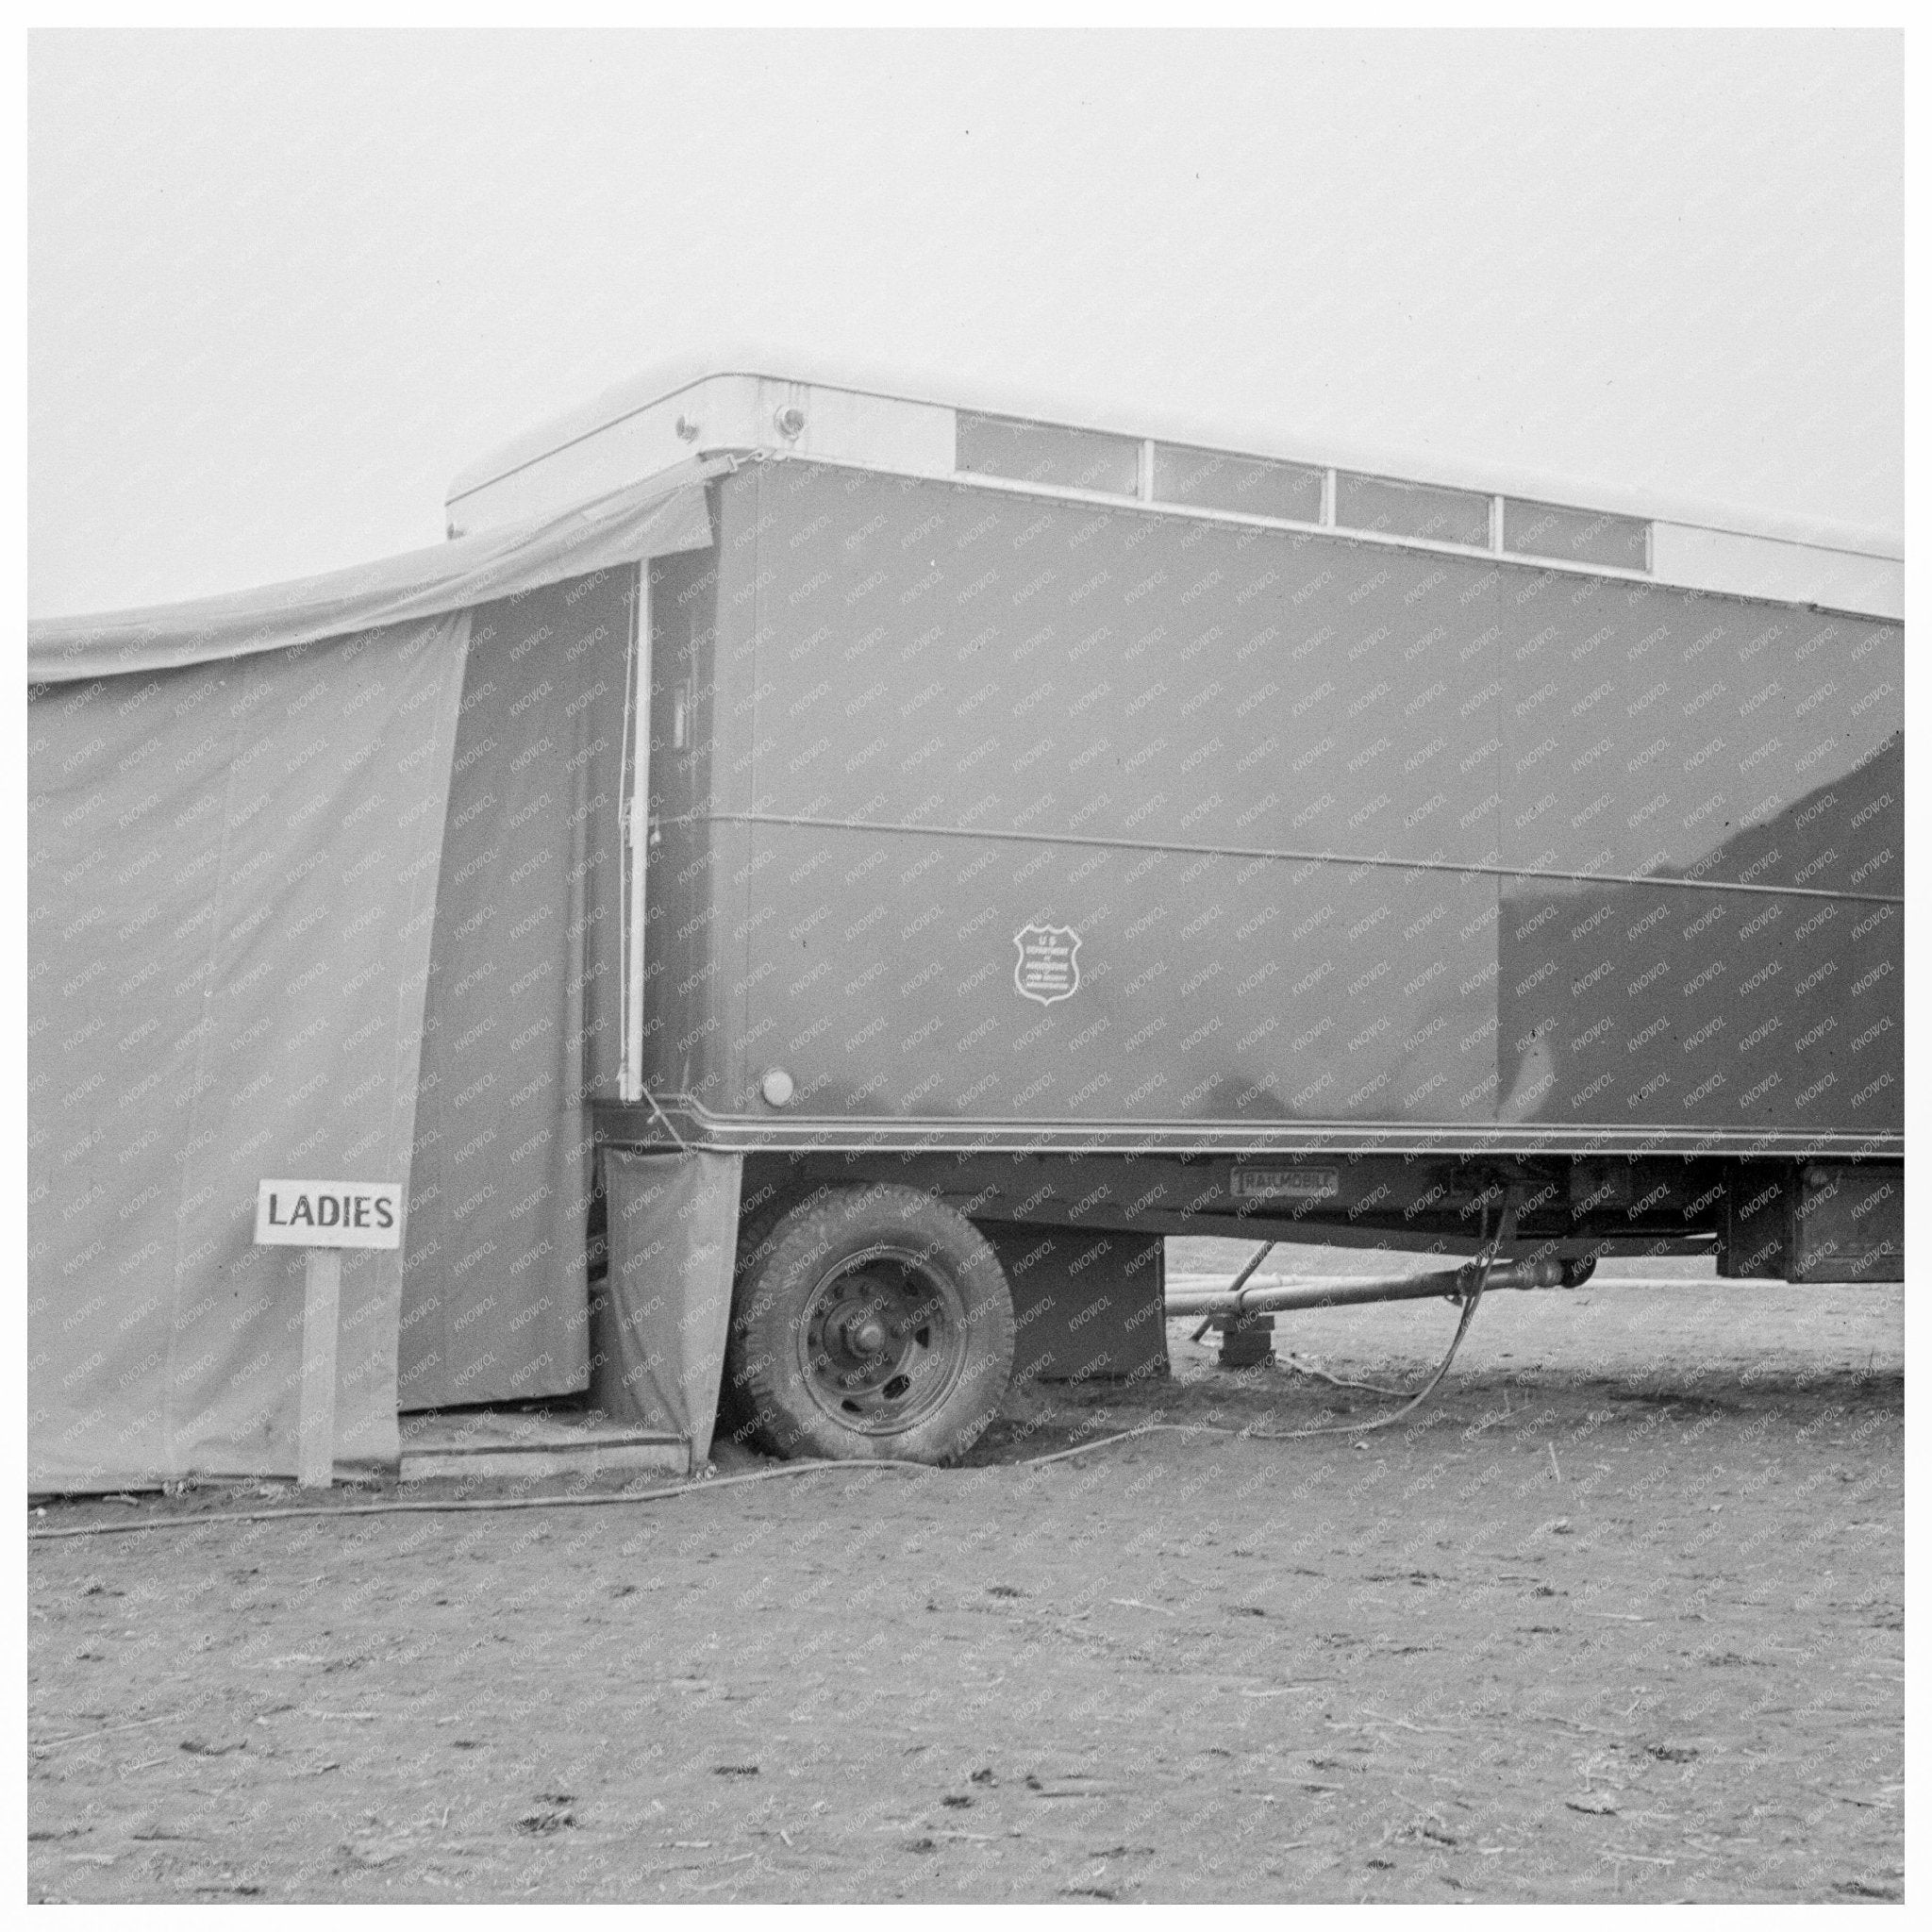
(284, 286)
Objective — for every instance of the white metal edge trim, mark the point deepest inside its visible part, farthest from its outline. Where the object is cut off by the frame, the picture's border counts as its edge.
(668, 381)
(1682, 556)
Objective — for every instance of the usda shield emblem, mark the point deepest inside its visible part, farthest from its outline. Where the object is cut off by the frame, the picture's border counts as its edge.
(1048, 967)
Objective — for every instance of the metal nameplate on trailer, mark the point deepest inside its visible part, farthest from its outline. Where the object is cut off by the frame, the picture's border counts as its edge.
(1048, 968)
(1285, 1183)
(330, 1214)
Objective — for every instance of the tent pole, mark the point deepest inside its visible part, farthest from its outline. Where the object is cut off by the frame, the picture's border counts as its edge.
(637, 818)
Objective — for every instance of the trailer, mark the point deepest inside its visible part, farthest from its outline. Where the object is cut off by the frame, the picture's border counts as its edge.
(811, 886)
(1039, 838)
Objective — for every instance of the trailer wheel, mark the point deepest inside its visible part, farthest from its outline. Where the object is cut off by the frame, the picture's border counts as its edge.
(869, 1322)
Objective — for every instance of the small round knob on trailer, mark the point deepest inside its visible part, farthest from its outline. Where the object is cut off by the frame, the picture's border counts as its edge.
(791, 422)
(777, 1088)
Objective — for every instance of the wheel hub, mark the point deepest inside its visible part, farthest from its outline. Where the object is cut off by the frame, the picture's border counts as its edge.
(865, 1334)
(882, 1341)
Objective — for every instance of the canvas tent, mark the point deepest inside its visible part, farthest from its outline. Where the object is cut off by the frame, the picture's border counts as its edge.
(323, 881)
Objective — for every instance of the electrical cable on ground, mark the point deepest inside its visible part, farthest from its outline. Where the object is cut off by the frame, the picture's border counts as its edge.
(1505, 1231)
(1296, 1365)
(432, 1507)
(1124, 1435)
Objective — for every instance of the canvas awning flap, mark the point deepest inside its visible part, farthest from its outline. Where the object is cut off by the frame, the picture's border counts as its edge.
(520, 1014)
(660, 1327)
(232, 872)
(657, 518)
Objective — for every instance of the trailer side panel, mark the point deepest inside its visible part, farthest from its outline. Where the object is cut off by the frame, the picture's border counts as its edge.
(1039, 812)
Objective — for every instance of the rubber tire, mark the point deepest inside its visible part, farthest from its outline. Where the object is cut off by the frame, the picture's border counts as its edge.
(781, 1261)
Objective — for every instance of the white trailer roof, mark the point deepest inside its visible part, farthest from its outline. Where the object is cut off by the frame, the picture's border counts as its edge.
(816, 409)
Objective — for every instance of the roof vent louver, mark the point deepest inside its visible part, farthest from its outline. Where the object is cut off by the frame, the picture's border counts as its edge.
(1247, 485)
(1411, 510)
(1047, 452)
(1574, 536)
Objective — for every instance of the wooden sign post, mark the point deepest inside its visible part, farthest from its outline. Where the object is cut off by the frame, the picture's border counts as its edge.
(324, 1217)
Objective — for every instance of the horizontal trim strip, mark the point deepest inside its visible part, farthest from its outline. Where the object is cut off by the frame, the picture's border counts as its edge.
(1081, 839)
(743, 1133)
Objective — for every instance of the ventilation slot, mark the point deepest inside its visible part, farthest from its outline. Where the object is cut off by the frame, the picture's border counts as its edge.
(1575, 536)
(1045, 453)
(1411, 510)
(1209, 481)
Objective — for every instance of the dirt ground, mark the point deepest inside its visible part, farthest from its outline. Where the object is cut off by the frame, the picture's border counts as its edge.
(1618, 1616)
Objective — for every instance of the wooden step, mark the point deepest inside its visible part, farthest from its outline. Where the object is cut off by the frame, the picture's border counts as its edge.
(516, 1444)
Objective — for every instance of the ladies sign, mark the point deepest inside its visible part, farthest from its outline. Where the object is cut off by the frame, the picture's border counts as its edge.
(330, 1214)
